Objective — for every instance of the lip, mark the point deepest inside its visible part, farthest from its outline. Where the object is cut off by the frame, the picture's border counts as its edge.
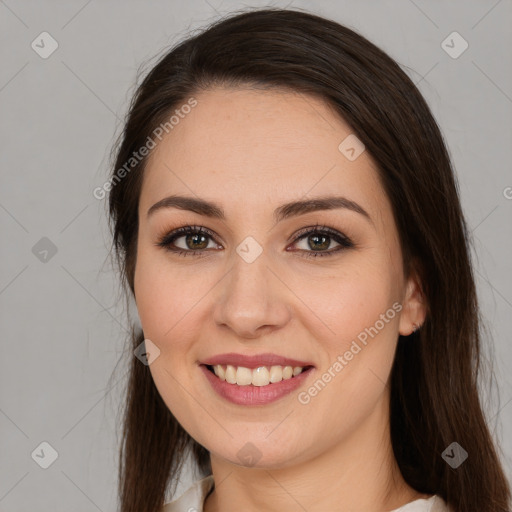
(253, 361)
(255, 395)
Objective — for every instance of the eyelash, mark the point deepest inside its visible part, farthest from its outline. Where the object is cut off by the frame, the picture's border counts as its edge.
(343, 240)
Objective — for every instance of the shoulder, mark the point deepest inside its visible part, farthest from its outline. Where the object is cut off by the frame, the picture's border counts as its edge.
(439, 505)
(433, 504)
(193, 498)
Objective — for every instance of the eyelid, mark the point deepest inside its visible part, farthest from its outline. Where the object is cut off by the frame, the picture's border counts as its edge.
(343, 241)
(316, 228)
(169, 237)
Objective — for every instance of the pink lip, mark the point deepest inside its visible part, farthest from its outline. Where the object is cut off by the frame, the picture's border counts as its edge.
(254, 395)
(253, 361)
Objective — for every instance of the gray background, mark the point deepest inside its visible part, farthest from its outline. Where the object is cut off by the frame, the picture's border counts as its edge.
(63, 321)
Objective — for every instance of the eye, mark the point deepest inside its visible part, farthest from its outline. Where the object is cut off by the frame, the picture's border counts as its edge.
(196, 240)
(319, 238)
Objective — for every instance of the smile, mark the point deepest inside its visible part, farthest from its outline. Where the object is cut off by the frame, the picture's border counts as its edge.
(258, 386)
(261, 376)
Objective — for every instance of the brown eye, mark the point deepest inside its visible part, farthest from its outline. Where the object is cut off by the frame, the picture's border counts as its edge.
(320, 238)
(196, 240)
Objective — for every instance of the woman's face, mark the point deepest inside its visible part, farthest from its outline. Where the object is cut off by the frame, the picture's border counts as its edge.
(251, 289)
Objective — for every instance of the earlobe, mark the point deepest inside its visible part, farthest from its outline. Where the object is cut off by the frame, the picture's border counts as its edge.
(414, 307)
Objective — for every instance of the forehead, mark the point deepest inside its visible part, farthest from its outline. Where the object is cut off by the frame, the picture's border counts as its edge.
(256, 148)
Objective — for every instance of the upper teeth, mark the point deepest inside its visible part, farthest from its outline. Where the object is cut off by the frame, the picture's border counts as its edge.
(261, 376)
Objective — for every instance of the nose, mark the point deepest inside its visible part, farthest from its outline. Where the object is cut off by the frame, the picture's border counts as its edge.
(252, 300)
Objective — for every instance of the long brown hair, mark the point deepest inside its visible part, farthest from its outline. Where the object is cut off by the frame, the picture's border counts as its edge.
(434, 380)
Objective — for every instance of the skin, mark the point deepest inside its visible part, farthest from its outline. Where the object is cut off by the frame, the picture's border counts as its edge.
(251, 151)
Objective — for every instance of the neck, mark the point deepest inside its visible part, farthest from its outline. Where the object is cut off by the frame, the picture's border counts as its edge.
(359, 473)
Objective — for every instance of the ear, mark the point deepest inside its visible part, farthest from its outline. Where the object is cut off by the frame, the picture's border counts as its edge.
(414, 308)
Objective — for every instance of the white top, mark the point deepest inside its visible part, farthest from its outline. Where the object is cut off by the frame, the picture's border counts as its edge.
(194, 498)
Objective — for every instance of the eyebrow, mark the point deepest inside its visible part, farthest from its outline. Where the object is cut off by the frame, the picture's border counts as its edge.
(285, 211)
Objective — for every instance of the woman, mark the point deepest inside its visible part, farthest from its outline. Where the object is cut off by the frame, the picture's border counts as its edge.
(285, 214)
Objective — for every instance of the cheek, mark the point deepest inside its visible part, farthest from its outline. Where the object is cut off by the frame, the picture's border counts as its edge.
(166, 315)
(365, 313)
(157, 295)
(170, 302)
(350, 299)
(362, 312)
